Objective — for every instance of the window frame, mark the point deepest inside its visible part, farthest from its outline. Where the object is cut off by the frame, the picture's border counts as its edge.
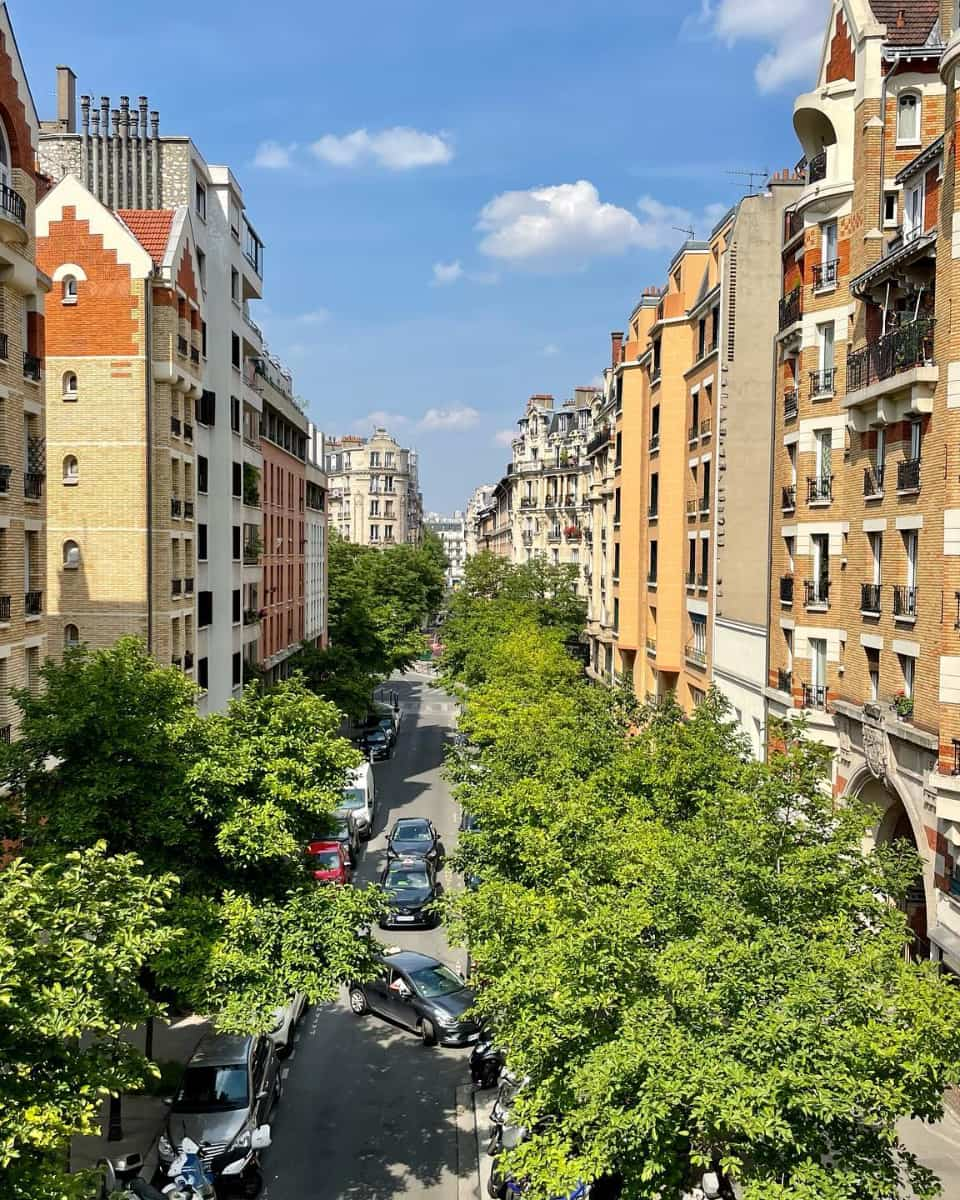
(916, 97)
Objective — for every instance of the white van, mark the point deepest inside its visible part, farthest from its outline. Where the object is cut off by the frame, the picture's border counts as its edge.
(360, 799)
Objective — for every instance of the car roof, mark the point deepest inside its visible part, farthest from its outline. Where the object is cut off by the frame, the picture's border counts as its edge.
(359, 775)
(411, 960)
(327, 844)
(221, 1050)
(411, 821)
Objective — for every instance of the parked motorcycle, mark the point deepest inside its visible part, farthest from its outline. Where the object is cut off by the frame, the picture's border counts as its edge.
(486, 1064)
(121, 1177)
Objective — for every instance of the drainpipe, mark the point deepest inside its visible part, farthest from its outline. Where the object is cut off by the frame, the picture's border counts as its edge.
(115, 155)
(148, 352)
(105, 148)
(95, 163)
(883, 144)
(134, 170)
(144, 194)
(124, 148)
(85, 141)
(155, 156)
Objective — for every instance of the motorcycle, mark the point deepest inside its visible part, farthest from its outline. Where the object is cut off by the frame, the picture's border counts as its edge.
(486, 1064)
(190, 1179)
(121, 1177)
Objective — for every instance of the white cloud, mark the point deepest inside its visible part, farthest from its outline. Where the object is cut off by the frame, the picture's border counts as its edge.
(504, 437)
(317, 317)
(396, 149)
(380, 417)
(274, 156)
(568, 224)
(793, 32)
(450, 420)
(550, 350)
(444, 273)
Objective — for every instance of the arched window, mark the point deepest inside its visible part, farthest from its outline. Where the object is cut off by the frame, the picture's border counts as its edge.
(71, 636)
(5, 163)
(70, 386)
(908, 119)
(71, 470)
(71, 555)
(69, 289)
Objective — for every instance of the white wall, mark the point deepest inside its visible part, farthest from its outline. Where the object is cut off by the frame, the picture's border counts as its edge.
(739, 671)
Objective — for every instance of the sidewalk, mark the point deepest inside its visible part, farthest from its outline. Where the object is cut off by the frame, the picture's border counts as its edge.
(142, 1115)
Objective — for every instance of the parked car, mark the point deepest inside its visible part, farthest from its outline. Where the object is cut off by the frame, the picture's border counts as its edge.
(389, 728)
(329, 862)
(226, 1095)
(410, 887)
(286, 1020)
(375, 744)
(342, 828)
(422, 994)
(360, 800)
(414, 836)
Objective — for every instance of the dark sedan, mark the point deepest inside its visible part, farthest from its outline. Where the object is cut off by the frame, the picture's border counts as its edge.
(375, 744)
(342, 828)
(421, 994)
(414, 836)
(410, 887)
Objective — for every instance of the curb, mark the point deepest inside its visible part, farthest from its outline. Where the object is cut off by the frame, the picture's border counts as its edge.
(468, 1163)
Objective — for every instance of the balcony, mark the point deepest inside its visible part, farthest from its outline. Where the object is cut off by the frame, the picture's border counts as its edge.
(553, 537)
(693, 507)
(784, 681)
(251, 616)
(33, 485)
(820, 489)
(822, 383)
(527, 538)
(825, 275)
(33, 604)
(176, 507)
(894, 377)
(873, 483)
(528, 502)
(904, 603)
(788, 498)
(13, 211)
(817, 168)
(816, 594)
(693, 433)
(251, 553)
(870, 599)
(694, 654)
(786, 589)
(651, 646)
(176, 587)
(791, 404)
(908, 476)
(569, 502)
(706, 428)
(599, 441)
(791, 308)
(815, 695)
(32, 367)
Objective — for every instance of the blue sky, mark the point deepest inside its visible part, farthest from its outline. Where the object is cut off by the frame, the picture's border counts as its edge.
(459, 202)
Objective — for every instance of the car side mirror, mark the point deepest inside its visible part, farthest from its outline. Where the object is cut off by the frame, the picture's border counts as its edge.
(260, 1139)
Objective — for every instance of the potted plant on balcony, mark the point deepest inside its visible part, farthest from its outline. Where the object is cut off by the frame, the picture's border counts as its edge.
(571, 531)
(903, 704)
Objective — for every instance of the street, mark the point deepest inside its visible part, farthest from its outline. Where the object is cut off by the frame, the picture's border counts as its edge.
(368, 1112)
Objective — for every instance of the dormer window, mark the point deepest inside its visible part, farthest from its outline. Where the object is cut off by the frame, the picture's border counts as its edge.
(908, 119)
(69, 283)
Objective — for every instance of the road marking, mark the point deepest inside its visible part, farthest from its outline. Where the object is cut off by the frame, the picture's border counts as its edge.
(285, 1072)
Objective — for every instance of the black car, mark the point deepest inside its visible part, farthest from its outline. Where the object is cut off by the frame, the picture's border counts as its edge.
(410, 886)
(342, 828)
(421, 994)
(375, 744)
(389, 728)
(414, 836)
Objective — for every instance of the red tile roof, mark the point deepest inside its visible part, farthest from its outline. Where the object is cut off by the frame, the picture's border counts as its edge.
(908, 22)
(150, 228)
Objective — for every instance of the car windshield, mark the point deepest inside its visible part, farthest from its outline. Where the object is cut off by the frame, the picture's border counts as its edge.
(353, 798)
(400, 876)
(436, 981)
(376, 735)
(326, 860)
(211, 1089)
(412, 832)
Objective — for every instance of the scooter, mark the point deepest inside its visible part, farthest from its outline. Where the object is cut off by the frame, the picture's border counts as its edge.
(189, 1179)
(121, 1177)
(486, 1064)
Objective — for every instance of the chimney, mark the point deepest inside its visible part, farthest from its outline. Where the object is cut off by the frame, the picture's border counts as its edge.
(616, 347)
(66, 100)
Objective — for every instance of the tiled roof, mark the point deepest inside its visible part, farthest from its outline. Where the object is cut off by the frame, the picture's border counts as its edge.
(150, 228)
(908, 22)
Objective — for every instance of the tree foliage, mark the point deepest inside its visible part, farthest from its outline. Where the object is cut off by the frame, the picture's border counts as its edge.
(687, 952)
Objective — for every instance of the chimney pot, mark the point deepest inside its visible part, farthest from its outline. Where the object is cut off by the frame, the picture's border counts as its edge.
(616, 347)
(67, 99)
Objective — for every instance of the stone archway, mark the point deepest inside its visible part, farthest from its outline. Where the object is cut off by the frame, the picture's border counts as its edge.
(896, 823)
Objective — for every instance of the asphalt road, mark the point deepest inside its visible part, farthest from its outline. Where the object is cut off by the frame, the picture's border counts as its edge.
(367, 1112)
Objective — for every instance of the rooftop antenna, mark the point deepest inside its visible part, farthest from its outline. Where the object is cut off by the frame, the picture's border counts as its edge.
(691, 232)
(750, 176)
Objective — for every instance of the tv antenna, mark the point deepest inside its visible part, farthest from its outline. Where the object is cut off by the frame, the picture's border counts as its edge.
(750, 176)
(691, 232)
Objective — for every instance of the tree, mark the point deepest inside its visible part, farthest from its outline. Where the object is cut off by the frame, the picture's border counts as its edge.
(73, 941)
(687, 952)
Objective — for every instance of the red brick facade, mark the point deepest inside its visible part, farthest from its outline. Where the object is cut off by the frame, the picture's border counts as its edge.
(282, 498)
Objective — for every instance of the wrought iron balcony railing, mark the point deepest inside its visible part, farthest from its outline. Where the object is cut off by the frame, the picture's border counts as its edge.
(33, 485)
(786, 589)
(791, 404)
(826, 274)
(815, 695)
(873, 481)
(33, 604)
(696, 655)
(32, 367)
(908, 475)
(904, 601)
(791, 307)
(784, 681)
(816, 593)
(13, 204)
(822, 383)
(820, 489)
(817, 167)
(900, 350)
(788, 498)
(870, 597)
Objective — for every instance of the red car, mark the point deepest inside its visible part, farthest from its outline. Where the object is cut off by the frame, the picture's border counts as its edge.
(329, 862)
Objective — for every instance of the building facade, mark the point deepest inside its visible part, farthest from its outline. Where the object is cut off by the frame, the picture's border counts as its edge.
(478, 502)
(374, 492)
(452, 533)
(315, 552)
(23, 458)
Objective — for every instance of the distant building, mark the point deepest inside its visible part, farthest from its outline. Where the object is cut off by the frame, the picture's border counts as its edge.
(374, 490)
(480, 500)
(452, 532)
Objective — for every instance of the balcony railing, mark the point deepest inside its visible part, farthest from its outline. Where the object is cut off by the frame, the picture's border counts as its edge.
(815, 695)
(176, 507)
(654, 442)
(13, 204)
(527, 538)
(792, 224)
(704, 504)
(693, 507)
(791, 404)
(817, 167)
(908, 475)
(251, 616)
(33, 604)
(816, 593)
(702, 579)
(600, 440)
(553, 536)
(904, 348)
(820, 489)
(788, 498)
(652, 512)
(691, 579)
(528, 502)
(784, 681)
(651, 581)
(551, 502)
(651, 645)
(825, 275)
(32, 367)
(790, 307)
(695, 655)
(870, 597)
(905, 601)
(705, 429)
(693, 433)
(822, 383)
(5, 608)
(873, 481)
(786, 589)
(251, 554)
(33, 485)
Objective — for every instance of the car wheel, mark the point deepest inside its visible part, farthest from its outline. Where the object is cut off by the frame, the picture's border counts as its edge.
(428, 1034)
(253, 1184)
(277, 1091)
(358, 1002)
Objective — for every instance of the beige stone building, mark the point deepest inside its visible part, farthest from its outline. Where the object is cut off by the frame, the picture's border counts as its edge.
(23, 457)
(374, 490)
(479, 501)
(601, 565)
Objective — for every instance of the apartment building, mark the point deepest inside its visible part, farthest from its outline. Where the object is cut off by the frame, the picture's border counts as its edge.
(602, 566)
(126, 164)
(478, 502)
(315, 552)
(494, 528)
(374, 492)
(23, 290)
(452, 533)
(864, 616)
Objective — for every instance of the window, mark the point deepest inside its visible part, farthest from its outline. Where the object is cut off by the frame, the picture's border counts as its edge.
(235, 285)
(818, 662)
(908, 119)
(237, 542)
(616, 560)
(705, 494)
(71, 471)
(388, 532)
(201, 543)
(374, 508)
(881, 451)
(915, 440)
(203, 338)
(201, 201)
(691, 558)
(699, 624)
(873, 671)
(876, 556)
(913, 212)
(655, 423)
(203, 673)
(203, 472)
(652, 572)
(824, 451)
(71, 556)
(792, 460)
(889, 209)
(704, 562)
(71, 636)
(237, 676)
(70, 386)
(202, 267)
(236, 606)
(207, 408)
(907, 667)
(235, 350)
(910, 543)
(204, 609)
(237, 482)
(374, 533)
(69, 292)
(235, 413)
(374, 458)
(654, 494)
(825, 346)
